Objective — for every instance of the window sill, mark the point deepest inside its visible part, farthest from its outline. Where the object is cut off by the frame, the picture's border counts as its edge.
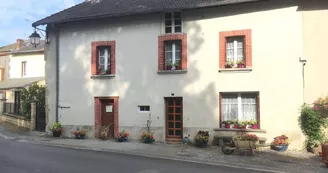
(172, 71)
(235, 70)
(105, 76)
(241, 130)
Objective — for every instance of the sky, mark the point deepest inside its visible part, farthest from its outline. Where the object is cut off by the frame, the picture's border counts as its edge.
(17, 16)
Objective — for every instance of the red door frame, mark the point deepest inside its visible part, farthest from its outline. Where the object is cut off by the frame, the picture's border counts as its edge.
(98, 114)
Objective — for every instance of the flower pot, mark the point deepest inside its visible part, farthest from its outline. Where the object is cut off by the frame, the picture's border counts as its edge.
(280, 148)
(123, 139)
(236, 126)
(228, 66)
(227, 126)
(255, 126)
(185, 140)
(315, 150)
(243, 127)
(56, 133)
(168, 67)
(241, 65)
(201, 144)
(325, 152)
(148, 141)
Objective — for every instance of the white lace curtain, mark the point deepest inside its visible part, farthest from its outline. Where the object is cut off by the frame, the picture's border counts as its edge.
(235, 49)
(239, 107)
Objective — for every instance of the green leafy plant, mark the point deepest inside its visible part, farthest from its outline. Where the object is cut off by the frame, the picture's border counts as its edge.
(35, 93)
(201, 138)
(56, 127)
(280, 140)
(312, 124)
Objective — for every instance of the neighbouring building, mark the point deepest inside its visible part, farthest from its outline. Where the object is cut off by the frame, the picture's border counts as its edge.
(119, 63)
(25, 66)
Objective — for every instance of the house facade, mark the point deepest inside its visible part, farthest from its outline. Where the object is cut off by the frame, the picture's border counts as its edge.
(25, 66)
(174, 66)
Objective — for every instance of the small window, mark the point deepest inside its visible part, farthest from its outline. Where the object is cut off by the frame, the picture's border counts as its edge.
(173, 22)
(239, 106)
(235, 51)
(23, 68)
(173, 55)
(104, 59)
(143, 108)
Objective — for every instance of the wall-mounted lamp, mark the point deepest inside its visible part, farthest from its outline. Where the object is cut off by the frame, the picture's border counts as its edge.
(35, 37)
(302, 60)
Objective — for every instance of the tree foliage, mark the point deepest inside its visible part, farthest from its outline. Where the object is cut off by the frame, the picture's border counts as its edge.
(312, 124)
(35, 93)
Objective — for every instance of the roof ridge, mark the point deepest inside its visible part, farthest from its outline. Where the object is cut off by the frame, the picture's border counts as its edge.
(33, 24)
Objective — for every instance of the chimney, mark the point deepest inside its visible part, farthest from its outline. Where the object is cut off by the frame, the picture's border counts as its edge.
(19, 43)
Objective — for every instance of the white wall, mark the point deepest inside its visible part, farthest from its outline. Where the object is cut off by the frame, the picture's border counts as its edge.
(34, 65)
(276, 41)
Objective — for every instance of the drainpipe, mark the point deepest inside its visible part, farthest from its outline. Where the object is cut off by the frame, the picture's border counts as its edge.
(57, 69)
(303, 61)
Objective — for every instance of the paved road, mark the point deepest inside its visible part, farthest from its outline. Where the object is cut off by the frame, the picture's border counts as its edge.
(18, 157)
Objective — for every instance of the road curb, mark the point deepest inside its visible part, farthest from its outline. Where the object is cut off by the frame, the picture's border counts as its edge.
(174, 158)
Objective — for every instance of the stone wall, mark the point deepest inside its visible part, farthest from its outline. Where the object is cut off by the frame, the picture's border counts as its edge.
(16, 120)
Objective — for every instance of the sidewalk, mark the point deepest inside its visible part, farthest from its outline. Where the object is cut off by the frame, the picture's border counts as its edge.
(290, 161)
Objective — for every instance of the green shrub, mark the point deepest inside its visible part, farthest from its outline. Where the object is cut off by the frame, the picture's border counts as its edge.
(32, 93)
(312, 125)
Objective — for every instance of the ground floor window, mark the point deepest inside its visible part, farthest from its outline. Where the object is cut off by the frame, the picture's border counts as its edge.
(239, 107)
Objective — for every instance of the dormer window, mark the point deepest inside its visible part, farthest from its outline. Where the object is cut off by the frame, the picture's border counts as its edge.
(173, 22)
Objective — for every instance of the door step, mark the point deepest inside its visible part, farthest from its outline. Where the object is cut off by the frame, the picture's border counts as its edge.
(174, 141)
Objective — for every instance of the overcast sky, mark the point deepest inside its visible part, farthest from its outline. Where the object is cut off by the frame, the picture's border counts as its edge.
(17, 16)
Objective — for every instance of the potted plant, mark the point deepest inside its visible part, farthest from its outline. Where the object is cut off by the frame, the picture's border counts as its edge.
(56, 129)
(226, 124)
(312, 124)
(147, 138)
(80, 134)
(177, 65)
(201, 138)
(241, 125)
(104, 132)
(253, 124)
(321, 105)
(241, 64)
(229, 64)
(280, 143)
(122, 136)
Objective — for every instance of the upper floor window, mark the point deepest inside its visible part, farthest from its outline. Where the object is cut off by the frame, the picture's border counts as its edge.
(104, 60)
(236, 49)
(239, 107)
(172, 52)
(235, 52)
(103, 57)
(173, 55)
(173, 22)
(23, 68)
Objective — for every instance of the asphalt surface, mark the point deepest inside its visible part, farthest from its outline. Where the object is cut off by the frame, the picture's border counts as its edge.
(20, 157)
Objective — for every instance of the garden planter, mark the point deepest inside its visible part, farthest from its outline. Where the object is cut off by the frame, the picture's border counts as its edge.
(227, 126)
(148, 141)
(315, 150)
(245, 144)
(122, 139)
(56, 133)
(236, 126)
(280, 148)
(168, 67)
(201, 144)
(256, 126)
(241, 66)
(325, 153)
(185, 140)
(228, 66)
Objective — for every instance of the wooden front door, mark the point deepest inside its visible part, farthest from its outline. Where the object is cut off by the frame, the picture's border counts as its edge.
(107, 115)
(173, 107)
